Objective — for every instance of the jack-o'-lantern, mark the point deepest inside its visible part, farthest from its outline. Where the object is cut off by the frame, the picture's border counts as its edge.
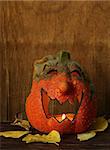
(62, 96)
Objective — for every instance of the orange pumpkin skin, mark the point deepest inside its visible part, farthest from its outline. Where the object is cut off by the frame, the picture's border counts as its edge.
(61, 87)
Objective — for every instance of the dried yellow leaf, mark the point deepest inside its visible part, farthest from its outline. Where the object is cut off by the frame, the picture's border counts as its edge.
(100, 124)
(86, 136)
(33, 138)
(52, 137)
(13, 134)
(22, 123)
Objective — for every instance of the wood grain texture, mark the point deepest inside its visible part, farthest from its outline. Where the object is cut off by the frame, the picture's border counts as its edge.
(30, 30)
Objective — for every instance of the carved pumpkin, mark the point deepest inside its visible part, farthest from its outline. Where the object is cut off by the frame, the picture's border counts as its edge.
(62, 97)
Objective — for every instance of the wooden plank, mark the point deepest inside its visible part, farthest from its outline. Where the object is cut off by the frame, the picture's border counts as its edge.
(4, 86)
(30, 30)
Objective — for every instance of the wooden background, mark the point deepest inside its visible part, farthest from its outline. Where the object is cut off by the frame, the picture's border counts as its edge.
(30, 30)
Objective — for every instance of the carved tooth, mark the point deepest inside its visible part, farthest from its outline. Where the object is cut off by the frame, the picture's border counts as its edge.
(70, 116)
(59, 118)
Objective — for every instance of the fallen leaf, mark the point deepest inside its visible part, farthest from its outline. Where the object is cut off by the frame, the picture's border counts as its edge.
(100, 124)
(86, 136)
(52, 137)
(22, 123)
(13, 134)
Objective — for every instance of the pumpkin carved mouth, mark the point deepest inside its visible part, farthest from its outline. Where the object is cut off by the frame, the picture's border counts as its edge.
(53, 108)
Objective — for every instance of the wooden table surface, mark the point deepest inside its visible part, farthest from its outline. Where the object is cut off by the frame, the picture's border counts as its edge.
(101, 141)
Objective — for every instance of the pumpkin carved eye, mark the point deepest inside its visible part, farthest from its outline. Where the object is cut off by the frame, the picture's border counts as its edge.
(52, 72)
(76, 73)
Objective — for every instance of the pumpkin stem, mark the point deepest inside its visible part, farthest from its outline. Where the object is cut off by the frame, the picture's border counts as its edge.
(64, 56)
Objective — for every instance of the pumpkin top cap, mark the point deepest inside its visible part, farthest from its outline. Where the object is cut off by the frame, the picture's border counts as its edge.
(60, 62)
(50, 62)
